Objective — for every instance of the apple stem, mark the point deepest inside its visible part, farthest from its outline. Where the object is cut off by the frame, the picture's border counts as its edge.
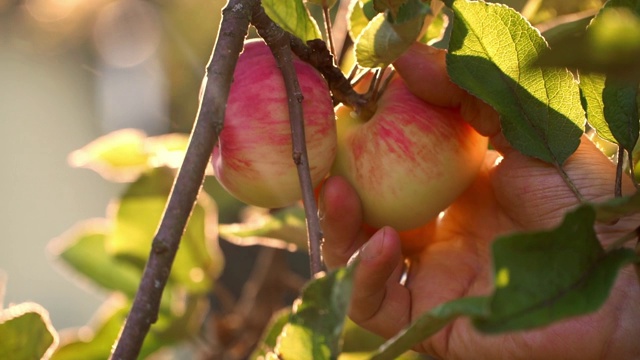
(353, 72)
(385, 83)
(209, 121)
(279, 43)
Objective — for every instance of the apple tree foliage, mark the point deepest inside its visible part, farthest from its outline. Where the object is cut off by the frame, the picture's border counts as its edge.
(495, 54)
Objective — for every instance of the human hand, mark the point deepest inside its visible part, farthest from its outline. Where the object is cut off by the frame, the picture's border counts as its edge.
(512, 192)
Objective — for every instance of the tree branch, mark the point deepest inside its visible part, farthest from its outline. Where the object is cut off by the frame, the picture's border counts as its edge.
(279, 43)
(315, 52)
(209, 121)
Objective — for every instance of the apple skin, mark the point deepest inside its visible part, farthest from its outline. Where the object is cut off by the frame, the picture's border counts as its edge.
(409, 161)
(253, 159)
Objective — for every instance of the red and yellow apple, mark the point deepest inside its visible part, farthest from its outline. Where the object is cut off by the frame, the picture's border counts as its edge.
(253, 159)
(409, 161)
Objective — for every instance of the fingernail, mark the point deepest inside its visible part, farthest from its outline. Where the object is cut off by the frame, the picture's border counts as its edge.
(371, 249)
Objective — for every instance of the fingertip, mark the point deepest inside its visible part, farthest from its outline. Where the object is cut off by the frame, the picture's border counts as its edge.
(424, 70)
(377, 293)
(383, 245)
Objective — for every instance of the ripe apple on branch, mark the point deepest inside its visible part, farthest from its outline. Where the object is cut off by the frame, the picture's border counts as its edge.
(407, 159)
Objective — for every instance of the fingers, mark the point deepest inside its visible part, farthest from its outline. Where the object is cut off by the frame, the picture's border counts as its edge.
(341, 221)
(520, 179)
(424, 70)
(379, 303)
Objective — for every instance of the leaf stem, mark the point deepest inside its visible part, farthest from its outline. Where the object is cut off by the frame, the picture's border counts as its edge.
(144, 311)
(569, 182)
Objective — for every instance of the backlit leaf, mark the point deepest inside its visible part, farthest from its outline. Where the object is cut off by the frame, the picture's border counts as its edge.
(429, 324)
(83, 248)
(137, 215)
(95, 341)
(611, 103)
(491, 54)
(542, 277)
(123, 155)
(292, 16)
(315, 326)
(610, 46)
(385, 38)
(269, 339)
(26, 332)
(283, 229)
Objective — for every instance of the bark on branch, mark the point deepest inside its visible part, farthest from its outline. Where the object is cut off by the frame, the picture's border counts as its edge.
(144, 312)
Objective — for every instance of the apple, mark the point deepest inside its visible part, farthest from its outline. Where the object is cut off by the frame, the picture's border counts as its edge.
(253, 159)
(409, 160)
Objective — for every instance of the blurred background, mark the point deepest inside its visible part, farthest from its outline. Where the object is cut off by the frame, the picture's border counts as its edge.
(71, 71)
(74, 70)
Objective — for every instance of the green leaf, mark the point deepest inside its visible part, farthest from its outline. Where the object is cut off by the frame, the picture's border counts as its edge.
(612, 108)
(95, 341)
(358, 343)
(392, 5)
(293, 17)
(282, 229)
(429, 324)
(617, 208)
(136, 217)
(610, 46)
(437, 28)
(591, 89)
(491, 51)
(123, 155)
(315, 326)
(328, 3)
(571, 25)
(542, 277)
(611, 104)
(269, 339)
(83, 248)
(359, 15)
(385, 37)
(26, 333)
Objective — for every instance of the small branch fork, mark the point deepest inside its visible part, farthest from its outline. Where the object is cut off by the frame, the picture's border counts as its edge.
(237, 16)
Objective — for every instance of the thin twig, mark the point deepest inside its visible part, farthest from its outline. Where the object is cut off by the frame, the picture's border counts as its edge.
(279, 42)
(144, 312)
(315, 53)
